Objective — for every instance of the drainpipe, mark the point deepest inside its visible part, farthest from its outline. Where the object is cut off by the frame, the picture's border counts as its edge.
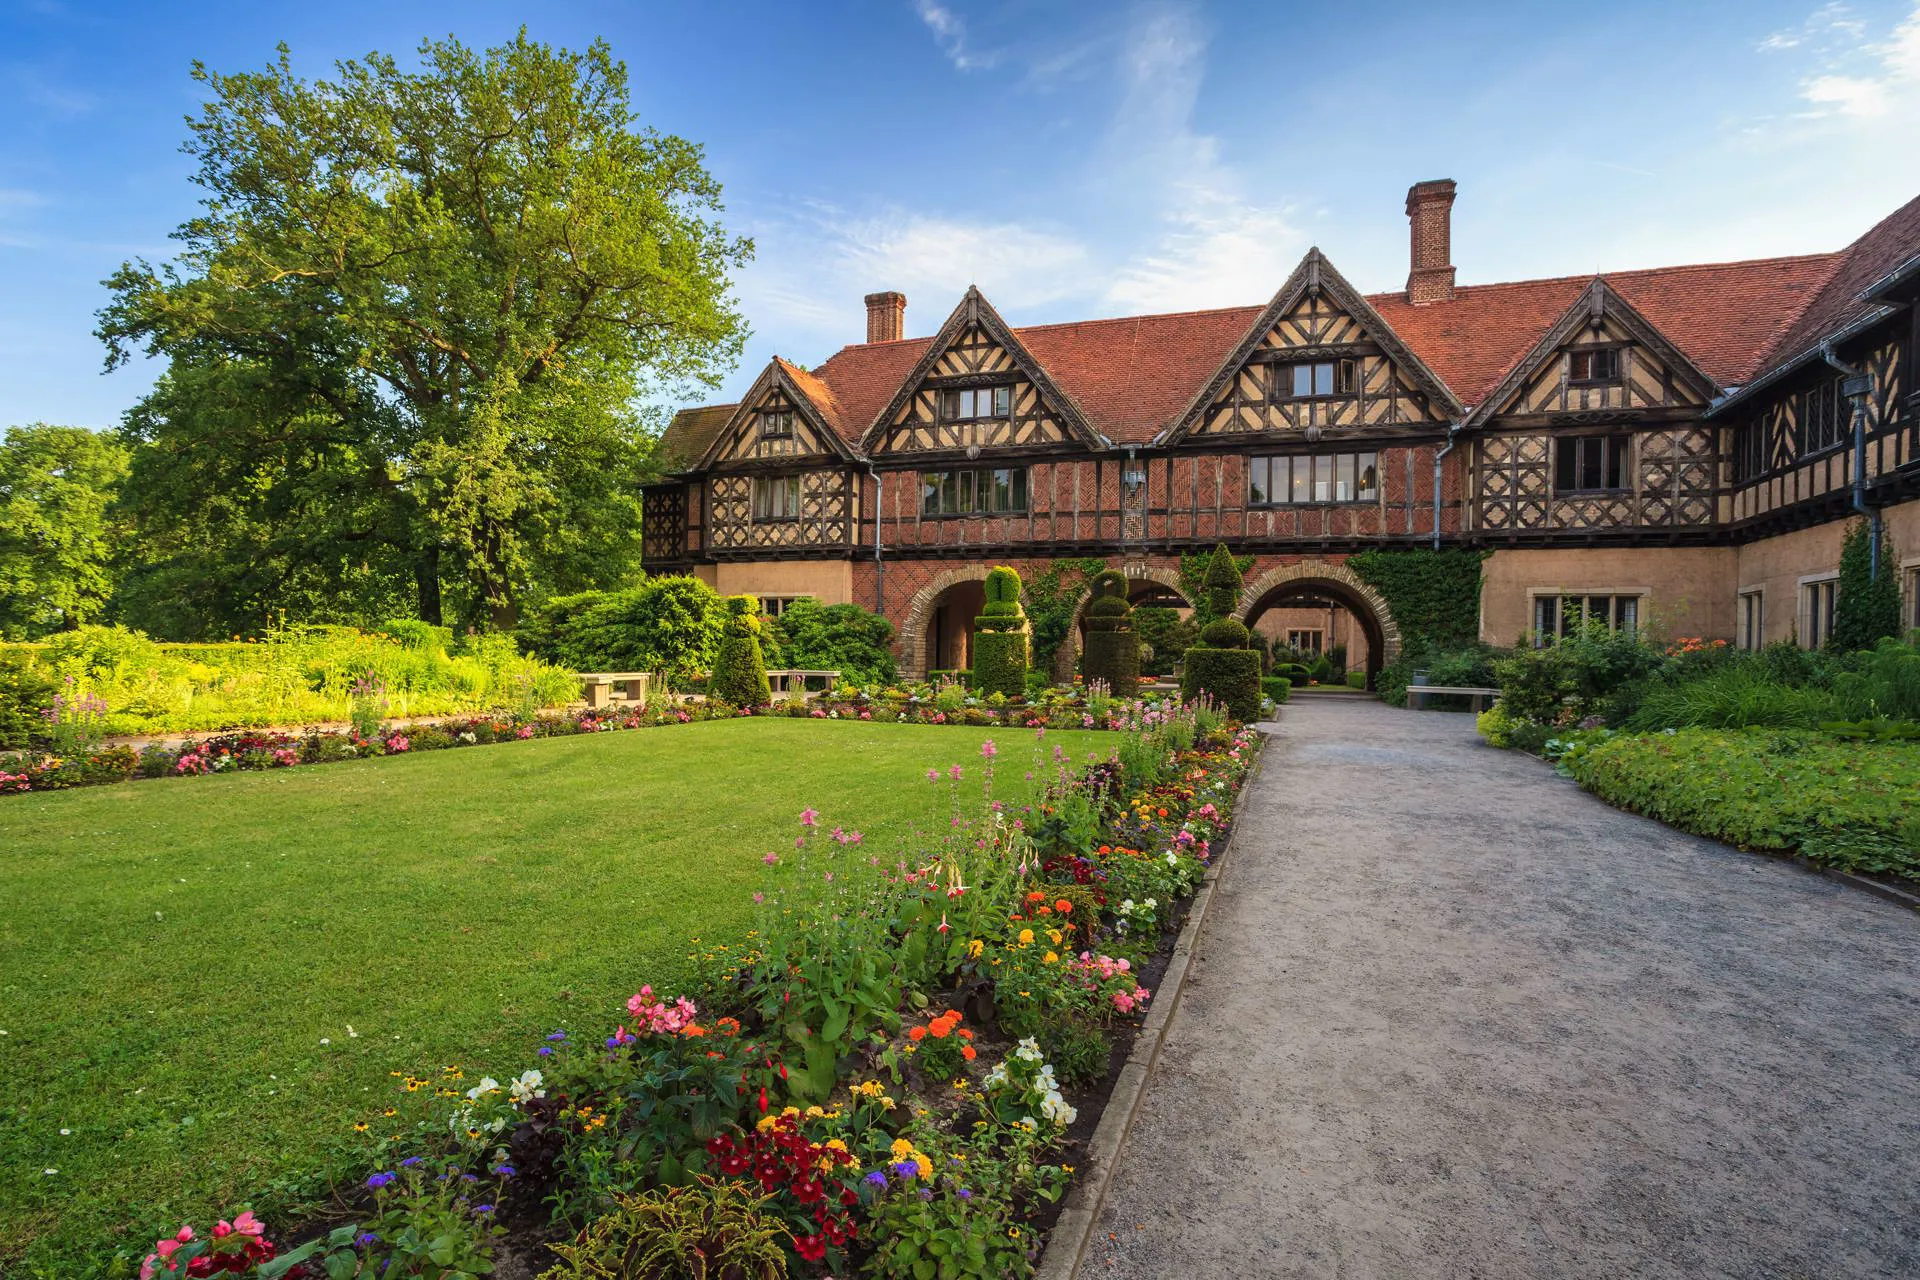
(1453, 429)
(1855, 386)
(879, 565)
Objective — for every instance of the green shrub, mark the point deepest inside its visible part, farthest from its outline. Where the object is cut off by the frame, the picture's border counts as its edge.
(1356, 680)
(740, 669)
(1230, 676)
(1113, 650)
(25, 691)
(1770, 789)
(1320, 671)
(1000, 649)
(671, 625)
(1164, 636)
(1866, 609)
(705, 1231)
(1077, 1047)
(415, 634)
(1278, 688)
(835, 637)
(1884, 682)
(1496, 725)
(1740, 696)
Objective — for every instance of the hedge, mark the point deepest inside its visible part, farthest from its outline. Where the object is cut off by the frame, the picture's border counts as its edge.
(1000, 651)
(740, 669)
(1279, 688)
(1231, 676)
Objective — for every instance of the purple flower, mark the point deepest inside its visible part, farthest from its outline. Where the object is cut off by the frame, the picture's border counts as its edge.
(545, 1051)
(409, 1162)
(965, 1194)
(379, 1180)
(877, 1178)
(504, 1170)
(925, 1194)
(366, 1238)
(906, 1170)
(483, 1208)
(558, 1035)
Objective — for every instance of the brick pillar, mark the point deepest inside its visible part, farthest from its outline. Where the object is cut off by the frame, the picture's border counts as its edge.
(886, 316)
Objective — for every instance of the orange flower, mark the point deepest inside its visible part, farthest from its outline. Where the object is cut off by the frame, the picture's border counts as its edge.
(965, 1034)
(1063, 906)
(968, 1052)
(727, 1026)
(916, 1034)
(1106, 848)
(1043, 911)
(693, 1029)
(1036, 896)
(940, 1029)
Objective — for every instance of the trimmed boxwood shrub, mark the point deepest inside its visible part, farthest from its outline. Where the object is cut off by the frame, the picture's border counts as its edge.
(1113, 650)
(1000, 652)
(740, 669)
(1222, 665)
(1356, 679)
(1279, 688)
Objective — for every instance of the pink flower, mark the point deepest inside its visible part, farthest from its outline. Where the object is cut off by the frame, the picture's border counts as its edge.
(809, 817)
(944, 926)
(954, 773)
(933, 775)
(770, 858)
(987, 750)
(759, 898)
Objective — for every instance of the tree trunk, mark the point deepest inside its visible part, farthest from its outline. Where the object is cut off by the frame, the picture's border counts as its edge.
(426, 577)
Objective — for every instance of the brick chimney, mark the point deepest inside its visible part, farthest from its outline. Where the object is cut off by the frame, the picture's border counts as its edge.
(886, 316)
(1430, 211)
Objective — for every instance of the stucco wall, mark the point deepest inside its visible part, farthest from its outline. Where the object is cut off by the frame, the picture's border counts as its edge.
(1685, 591)
(829, 581)
(1775, 566)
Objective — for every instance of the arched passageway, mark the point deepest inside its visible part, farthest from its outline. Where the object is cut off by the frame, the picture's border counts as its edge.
(1314, 606)
(938, 632)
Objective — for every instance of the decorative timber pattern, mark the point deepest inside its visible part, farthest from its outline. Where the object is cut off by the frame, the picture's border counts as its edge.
(1635, 380)
(663, 522)
(974, 360)
(1317, 330)
(1673, 475)
(773, 428)
(825, 518)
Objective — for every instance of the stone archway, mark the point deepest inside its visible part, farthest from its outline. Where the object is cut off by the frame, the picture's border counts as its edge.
(1336, 580)
(1069, 652)
(913, 631)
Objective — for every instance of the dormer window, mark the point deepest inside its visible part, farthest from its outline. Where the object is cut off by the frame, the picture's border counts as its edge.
(1594, 364)
(975, 403)
(1319, 378)
(776, 423)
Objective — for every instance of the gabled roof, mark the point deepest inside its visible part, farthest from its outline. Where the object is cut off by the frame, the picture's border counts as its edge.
(691, 433)
(1314, 274)
(1597, 300)
(811, 399)
(974, 309)
(1131, 378)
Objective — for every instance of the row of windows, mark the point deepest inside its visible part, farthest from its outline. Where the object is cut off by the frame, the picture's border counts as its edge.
(1822, 419)
(1561, 615)
(1292, 479)
(981, 491)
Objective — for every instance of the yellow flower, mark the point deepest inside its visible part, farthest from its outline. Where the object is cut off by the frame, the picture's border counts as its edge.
(766, 1122)
(926, 1165)
(901, 1148)
(835, 1144)
(815, 1113)
(974, 949)
(1053, 936)
(1050, 957)
(1026, 937)
(360, 1128)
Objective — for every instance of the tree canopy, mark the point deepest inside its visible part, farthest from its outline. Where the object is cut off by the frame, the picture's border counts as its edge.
(58, 529)
(410, 327)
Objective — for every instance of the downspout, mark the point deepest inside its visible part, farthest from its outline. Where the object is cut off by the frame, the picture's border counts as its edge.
(879, 565)
(1855, 386)
(1453, 429)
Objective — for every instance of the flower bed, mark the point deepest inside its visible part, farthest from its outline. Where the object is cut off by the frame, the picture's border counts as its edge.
(886, 1077)
(89, 764)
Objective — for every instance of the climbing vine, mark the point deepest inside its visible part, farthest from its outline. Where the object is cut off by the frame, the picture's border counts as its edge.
(1050, 600)
(1434, 597)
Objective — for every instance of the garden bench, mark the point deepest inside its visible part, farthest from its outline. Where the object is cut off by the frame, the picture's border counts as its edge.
(598, 686)
(786, 682)
(1482, 698)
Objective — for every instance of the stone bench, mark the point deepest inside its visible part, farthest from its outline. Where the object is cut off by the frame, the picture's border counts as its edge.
(597, 687)
(1482, 698)
(787, 682)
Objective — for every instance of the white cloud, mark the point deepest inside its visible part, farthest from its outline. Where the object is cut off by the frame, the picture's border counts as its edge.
(1859, 79)
(1824, 25)
(1216, 244)
(951, 34)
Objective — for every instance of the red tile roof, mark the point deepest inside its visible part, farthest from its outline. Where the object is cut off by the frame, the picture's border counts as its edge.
(1133, 375)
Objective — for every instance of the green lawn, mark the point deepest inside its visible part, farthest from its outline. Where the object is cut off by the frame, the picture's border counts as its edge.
(205, 982)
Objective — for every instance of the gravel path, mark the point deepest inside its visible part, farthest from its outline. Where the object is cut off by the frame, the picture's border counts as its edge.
(1451, 1017)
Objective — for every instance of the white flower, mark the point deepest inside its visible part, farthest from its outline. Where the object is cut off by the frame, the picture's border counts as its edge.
(528, 1086)
(486, 1086)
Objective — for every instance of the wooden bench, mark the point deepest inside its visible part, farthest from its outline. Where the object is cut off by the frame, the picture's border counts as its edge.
(786, 683)
(598, 686)
(1482, 698)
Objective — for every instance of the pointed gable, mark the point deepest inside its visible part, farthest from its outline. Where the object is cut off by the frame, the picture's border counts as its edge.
(788, 414)
(1357, 371)
(977, 386)
(1602, 357)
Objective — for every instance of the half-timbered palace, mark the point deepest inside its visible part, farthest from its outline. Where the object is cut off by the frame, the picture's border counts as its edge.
(1682, 445)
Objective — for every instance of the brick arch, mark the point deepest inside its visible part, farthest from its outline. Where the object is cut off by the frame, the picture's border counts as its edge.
(913, 632)
(1344, 583)
(1069, 651)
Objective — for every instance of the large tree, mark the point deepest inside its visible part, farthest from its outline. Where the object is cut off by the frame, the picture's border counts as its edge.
(58, 529)
(436, 294)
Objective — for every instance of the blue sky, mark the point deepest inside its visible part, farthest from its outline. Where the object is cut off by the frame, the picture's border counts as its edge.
(1074, 160)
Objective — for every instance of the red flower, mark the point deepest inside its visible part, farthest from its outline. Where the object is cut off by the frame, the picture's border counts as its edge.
(813, 1248)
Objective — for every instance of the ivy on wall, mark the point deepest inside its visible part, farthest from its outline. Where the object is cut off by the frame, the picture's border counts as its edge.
(1193, 581)
(1434, 597)
(1050, 599)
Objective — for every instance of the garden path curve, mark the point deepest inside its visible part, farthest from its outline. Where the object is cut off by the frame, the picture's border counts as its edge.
(1449, 1016)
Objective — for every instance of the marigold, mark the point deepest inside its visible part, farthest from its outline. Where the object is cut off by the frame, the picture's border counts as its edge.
(1063, 906)
(916, 1034)
(1026, 937)
(968, 1052)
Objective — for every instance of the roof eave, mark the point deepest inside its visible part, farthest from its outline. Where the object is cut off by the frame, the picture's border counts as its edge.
(1793, 364)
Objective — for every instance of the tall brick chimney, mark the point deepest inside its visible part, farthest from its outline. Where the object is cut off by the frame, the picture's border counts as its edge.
(886, 316)
(1430, 211)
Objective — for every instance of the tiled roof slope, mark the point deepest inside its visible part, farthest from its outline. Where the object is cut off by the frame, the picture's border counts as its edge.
(1890, 243)
(691, 431)
(1132, 376)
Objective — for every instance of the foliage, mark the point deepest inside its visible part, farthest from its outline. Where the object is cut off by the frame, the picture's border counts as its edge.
(1000, 654)
(1356, 679)
(1277, 688)
(59, 531)
(1230, 677)
(25, 690)
(1113, 650)
(444, 287)
(1854, 805)
(1164, 636)
(1434, 597)
(669, 625)
(1577, 676)
(835, 637)
(1051, 599)
(704, 1231)
(1740, 696)
(1866, 609)
(1194, 570)
(430, 1219)
(740, 669)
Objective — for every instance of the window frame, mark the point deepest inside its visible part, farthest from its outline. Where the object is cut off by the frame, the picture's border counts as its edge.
(1591, 379)
(1750, 620)
(1620, 602)
(1622, 468)
(767, 418)
(794, 489)
(1910, 571)
(774, 606)
(1819, 593)
(949, 400)
(1343, 377)
(1261, 465)
(947, 486)
(1317, 648)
